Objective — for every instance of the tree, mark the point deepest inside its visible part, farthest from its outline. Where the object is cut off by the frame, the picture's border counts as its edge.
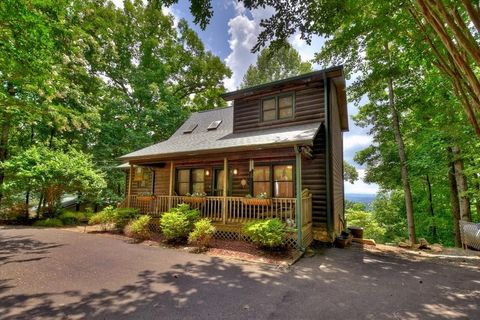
(275, 64)
(53, 173)
(350, 173)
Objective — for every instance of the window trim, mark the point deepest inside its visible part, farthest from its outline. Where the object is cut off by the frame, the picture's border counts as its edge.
(272, 180)
(277, 97)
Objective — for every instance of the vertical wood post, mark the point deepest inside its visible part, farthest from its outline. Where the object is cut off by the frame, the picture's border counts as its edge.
(129, 185)
(170, 187)
(298, 190)
(225, 184)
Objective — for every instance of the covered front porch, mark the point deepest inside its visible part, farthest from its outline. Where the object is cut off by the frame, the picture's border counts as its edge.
(229, 191)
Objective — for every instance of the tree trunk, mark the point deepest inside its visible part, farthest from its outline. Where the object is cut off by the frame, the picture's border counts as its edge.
(433, 227)
(403, 162)
(465, 211)
(477, 201)
(5, 132)
(455, 204)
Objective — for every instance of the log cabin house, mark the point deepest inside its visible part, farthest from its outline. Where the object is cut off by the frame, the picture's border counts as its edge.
(282, 139)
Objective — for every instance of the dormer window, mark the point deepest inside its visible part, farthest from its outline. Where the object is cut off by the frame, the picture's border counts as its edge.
(190, 128)
(277, 108)
(214, 125)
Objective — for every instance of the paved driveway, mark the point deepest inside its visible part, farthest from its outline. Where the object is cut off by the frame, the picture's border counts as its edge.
(47, 273)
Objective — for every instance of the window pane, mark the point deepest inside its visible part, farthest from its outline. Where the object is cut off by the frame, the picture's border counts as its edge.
(269, 115)
(261, 187)
(198, 175)
(261, 174)
(183, 188)
(183, 175)
(285, 105)
(284, 189)
(198, 187)
(283, 173)
(269, 104)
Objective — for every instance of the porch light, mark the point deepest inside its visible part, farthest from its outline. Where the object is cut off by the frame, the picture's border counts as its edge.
(235, 171)
(207, 172)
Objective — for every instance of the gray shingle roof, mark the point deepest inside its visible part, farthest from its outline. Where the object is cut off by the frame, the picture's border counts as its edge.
(204, 141)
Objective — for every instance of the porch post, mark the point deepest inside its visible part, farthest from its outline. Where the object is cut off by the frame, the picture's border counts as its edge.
(170, 187)
(225, 184)
(130, 173)
(298, 204)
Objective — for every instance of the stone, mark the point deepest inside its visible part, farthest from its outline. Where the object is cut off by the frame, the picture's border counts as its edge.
(423, 244)
(405, 244)
(436, 247)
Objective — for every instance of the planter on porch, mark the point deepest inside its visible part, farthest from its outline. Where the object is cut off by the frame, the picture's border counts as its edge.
(256, 202)
(194, 200)
(145, 198)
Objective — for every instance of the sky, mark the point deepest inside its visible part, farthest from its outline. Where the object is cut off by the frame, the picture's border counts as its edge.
(231, 34)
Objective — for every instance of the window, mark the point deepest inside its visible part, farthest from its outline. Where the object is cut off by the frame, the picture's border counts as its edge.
(283, 181)
(277, 108)
(190, 181)
(183, 182)
(190, 128)
(276, 180)
(214, 125)
(198, 179)
(261, 180)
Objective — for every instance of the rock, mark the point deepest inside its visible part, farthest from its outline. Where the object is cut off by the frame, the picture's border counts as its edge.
(405, 244)
(436, 247)
(423, 244)
(365, 241)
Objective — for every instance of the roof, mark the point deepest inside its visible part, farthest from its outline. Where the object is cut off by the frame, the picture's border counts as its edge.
(201, 140)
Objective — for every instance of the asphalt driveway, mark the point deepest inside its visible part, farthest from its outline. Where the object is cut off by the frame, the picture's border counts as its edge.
(48, 273)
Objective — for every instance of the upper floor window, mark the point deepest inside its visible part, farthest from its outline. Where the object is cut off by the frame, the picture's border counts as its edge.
(277, 108)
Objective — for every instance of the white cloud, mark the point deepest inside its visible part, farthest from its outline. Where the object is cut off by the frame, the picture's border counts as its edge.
(360, 186)
(307, 52)
(356, 141)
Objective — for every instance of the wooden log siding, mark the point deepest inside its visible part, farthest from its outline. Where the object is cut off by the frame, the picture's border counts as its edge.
(309, 107)
(336, 164)
(314, 178)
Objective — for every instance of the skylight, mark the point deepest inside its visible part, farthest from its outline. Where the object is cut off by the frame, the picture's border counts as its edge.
(190, 128)
(214, 125)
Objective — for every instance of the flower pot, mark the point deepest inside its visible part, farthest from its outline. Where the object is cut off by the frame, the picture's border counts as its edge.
(256, 202)
(357, 232)
(194, 200)
(145, 198)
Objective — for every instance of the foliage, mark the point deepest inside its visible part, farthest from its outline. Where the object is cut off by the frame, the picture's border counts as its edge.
(122, 216)
(268, 233)
(350, 173)
(177, 223)
(139, 228)
(365, 219)
(202, 233)
(118, 217)
(104, 217)
(275, 64)
(49, 223)
(73, 217)
(53, 173)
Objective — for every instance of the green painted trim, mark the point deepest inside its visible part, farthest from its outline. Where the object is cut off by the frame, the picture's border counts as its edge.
(328, 154)
(298, 207)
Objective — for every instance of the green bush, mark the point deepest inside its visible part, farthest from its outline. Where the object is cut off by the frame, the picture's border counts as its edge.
(118, 217)
(139, 228)
(49, 222)
(73, 218)
(122, 216)
(177, 223)
(268, 233)
(202, 233)
(365, 219)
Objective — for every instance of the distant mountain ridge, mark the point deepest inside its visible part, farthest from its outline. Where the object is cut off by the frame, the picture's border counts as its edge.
(360, 197)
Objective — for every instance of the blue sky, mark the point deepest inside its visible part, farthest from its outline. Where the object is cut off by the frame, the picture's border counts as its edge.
(232, 33)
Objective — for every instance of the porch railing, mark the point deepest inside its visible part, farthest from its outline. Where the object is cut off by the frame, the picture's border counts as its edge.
(236, 210)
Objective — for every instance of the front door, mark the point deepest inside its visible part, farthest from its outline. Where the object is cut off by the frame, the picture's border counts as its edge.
(218, 181)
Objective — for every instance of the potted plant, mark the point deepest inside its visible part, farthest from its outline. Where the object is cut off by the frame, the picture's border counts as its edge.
(260, 200)
(145, 196)
(343, 240)
(194, 198)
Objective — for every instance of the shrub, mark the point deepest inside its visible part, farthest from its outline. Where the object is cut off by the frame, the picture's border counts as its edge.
(365, 219)
(139, 228)
(72, 217)
(104, 217)
(202, 233)
(177, 223)
(49, 222)
(122, 216)
(268, 233)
